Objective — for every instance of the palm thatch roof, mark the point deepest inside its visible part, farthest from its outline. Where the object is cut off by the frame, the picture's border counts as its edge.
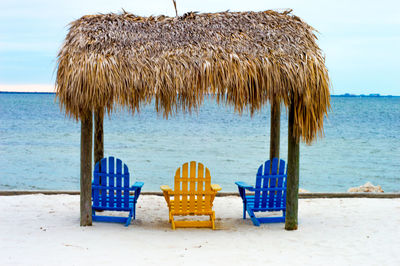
(243, 58)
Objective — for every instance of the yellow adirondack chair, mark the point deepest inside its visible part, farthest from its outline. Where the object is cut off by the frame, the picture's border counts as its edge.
(193, 195)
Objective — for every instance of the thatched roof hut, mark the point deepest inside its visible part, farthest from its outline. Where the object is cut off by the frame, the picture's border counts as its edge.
(244, 58)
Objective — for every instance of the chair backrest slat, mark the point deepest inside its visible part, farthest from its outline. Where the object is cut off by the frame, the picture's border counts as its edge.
(192, 186)
(272, 184)
(200, 187)
(118, 199)
(111, 170)
(96, 182)
(103, 182)
(125, 176)
(257, 193)
(111, 184)
(177, 187)
(207, 190)
(265, 183)
(184, 185)
(281, 184)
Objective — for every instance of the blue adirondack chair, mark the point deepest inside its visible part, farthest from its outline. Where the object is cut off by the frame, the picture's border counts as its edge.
(269, 192)
(111, 191)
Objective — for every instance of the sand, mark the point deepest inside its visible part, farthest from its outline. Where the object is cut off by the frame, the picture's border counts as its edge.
(44, 230)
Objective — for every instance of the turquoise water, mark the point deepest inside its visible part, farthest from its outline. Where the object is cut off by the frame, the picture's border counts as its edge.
(39, 146)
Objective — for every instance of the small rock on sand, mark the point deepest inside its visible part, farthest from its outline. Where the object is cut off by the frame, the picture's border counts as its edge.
(367, 187)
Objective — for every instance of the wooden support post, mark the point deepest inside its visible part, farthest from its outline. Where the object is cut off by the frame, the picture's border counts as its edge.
(86, 168)
(275, 130)
(98, 135)
(292, 198)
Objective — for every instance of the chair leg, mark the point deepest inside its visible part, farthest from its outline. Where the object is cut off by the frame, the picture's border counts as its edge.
(212, 219)
(253, 218)
(172, 222)
(128, 221)
(244, 210)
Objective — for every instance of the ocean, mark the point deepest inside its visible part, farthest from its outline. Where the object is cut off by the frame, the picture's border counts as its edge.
(40, 146)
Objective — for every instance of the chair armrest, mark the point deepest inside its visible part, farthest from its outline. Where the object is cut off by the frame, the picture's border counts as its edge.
(244, 185)
(215, 187)
(165, 188)
(137, 185)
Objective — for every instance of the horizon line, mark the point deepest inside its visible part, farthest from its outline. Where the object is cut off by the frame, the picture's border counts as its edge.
(49, 88)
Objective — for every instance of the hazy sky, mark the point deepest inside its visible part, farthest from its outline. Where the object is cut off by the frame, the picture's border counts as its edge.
(361, 39)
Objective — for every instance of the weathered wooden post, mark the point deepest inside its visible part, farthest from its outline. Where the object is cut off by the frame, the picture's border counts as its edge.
(98, 135)
(86, 168)
(275, 129)
(292, 196)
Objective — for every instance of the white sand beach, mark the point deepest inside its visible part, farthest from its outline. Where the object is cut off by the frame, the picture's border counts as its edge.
(44, 230)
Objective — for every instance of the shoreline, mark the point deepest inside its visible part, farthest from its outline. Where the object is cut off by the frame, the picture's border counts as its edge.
(302, 195)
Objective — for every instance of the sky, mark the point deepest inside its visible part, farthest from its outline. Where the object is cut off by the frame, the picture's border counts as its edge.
(360, 39)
